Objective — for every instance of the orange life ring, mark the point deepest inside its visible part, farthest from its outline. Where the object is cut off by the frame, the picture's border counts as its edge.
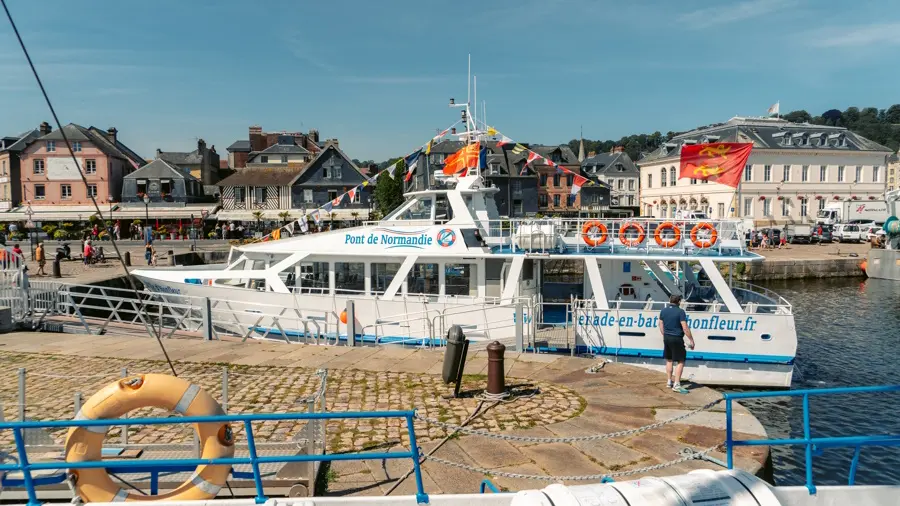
(632, 242)
(671, 242)
(84, 444)
(704, 243)
(589, 236)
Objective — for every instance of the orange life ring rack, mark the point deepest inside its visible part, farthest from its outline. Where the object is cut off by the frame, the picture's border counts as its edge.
(632, 242)
(704, 243)
(671, 242)
(588, 235)
(84, 444)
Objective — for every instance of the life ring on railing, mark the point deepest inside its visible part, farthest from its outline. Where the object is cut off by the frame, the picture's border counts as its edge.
(632, 241)
(672, 241)
(704, 243)
(589, 235)
(84, 444)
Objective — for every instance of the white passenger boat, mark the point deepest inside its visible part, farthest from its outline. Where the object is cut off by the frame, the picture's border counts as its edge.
(445, 257)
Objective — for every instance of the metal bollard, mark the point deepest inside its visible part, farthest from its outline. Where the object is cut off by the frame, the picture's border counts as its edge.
(57, 270)
(171, 257)
(496, 383)
(125, 415)
(21, 394)
(126, 257)
(351, 323)
(79, 400)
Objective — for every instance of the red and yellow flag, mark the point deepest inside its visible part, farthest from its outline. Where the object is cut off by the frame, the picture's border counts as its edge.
(465, 158)
(721, 162)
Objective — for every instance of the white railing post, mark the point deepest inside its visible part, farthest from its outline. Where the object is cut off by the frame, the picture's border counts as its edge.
(21, 394)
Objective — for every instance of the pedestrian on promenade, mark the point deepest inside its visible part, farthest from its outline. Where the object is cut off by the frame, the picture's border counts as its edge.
(41, 256)
(18, 251)
(117, 232)
(148, 253)
(783, 241)
(87, 252)
(674, 327)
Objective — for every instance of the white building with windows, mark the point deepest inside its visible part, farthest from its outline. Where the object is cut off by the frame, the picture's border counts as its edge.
(793, 171)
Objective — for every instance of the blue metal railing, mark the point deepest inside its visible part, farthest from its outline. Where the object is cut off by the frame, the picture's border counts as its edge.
(814, 445)
(254, 459)
(488, 485)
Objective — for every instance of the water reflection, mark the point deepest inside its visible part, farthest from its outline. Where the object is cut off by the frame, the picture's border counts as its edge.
(849, 335)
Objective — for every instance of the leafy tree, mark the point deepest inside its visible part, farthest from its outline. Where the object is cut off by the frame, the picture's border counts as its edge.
(800, 116)
(389, 190)
(893, 114)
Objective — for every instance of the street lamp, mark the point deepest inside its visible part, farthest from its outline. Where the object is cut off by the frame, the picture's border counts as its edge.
(146, 218)
(29, 212)
(109, 229)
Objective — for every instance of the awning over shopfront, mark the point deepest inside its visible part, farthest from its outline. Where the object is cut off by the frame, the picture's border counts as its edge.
(137, 212)
(295, 214)
(45, 214)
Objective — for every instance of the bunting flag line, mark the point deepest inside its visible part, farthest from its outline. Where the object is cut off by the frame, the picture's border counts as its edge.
(503, 140)
(328, 207)
(276, 234)
(411, 162)
(352, 194)
(304, 226)
(290, 228)
(337, 201)
(577, 182)
(390, 170)
(491, 131)
(428, 147)
(518, 149)
(315, 216)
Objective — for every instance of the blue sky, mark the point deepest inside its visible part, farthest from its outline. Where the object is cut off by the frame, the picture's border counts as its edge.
(377, 75)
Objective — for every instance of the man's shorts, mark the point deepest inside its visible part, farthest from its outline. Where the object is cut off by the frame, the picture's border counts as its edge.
(674, 350)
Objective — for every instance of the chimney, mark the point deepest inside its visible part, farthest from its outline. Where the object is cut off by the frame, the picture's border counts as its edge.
(256, 129)
(453, 131)
(112, 134)
(332, 142)
(45, 128)
(201, 145)
(158, 153)
(206, 168)
(314, 135)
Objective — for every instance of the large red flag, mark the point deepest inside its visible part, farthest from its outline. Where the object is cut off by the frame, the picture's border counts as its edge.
(722, 162)
(465, 158)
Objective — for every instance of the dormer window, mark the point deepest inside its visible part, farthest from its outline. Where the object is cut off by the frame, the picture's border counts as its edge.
(494, 168)
(620, 167)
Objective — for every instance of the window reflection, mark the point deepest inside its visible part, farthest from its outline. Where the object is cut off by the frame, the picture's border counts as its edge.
(423, 279)
(459, 279)
(349, 278)
(382, 275)
(313, 278)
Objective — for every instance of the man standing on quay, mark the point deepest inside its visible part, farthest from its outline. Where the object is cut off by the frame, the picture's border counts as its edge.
(674, 327)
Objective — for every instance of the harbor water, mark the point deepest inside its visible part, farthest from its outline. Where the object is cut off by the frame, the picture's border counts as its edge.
(849, 335)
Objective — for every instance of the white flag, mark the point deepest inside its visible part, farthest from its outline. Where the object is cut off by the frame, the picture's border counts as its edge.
(304, 226)
(392, 168)
(775, 109)
(290, 228)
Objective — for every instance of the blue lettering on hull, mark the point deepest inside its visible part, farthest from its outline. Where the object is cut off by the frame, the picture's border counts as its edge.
(714, 322)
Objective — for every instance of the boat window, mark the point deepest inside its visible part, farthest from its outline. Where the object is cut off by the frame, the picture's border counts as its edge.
(313, 278)
(442, 209)
(382, 275)
(627, 292)
(460, 279)
(349, 278)
(423, 279)
(420, 210)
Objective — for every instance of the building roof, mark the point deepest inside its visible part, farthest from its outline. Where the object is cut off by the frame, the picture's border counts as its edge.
(22, 140)
(181, 158)
(161, 169)
(610, 165)
(243, 146)
(263, 177)
(769, 133)
(78, 133)
(339, 151)
(73, 133)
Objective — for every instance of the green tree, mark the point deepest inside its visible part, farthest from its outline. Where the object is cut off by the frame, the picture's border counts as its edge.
(389, 190)
(800, 116)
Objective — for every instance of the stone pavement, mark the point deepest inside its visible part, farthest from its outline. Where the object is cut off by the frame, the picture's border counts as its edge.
(559, 399)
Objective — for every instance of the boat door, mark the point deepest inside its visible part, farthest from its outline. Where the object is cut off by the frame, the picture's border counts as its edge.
(528, 285)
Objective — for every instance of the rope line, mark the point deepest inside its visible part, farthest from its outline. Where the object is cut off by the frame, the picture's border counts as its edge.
(572, 439)
(587, 477)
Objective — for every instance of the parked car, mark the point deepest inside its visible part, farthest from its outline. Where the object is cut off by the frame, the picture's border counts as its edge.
(848, 232)
(872, 231)
(798, 232)
(823, 232)
(774, 235)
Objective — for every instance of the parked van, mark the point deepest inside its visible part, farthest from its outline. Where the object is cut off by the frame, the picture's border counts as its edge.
(848, 232)
(798, 232)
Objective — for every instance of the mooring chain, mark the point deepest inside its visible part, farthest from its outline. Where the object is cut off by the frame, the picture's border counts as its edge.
(587, 477)
(572, 439)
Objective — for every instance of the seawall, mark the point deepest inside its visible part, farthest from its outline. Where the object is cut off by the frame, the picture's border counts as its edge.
(803, 268)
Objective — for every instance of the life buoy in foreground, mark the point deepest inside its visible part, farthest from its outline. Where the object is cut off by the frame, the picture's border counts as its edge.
(670, 242)
(632, 241)
(589, 233)
(704, 243)
(84, 444)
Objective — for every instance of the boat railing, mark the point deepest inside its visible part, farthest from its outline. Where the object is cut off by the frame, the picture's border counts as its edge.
(549, 235)
(813, 446)
(482, 329)
(777, 301)
(30, 470)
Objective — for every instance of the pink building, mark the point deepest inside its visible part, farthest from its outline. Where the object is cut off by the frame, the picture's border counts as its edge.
(51, 178)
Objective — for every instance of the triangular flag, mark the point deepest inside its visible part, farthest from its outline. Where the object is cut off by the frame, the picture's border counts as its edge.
(304, 226)
(390, 170)
(524, 169)
(438, 136)
(276, 234)
(351, 194)
(503, 140)
(329, 206)
(491, 130)
(518, 148)
(428, 147)
(577, 183)
(290, 228)
(337, 200)
(532, 156)
(315, 216)
(411, 162)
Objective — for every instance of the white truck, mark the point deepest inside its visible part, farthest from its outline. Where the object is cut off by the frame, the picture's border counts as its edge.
(850, 211)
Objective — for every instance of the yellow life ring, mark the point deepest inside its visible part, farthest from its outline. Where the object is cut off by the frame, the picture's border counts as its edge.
(84, 444)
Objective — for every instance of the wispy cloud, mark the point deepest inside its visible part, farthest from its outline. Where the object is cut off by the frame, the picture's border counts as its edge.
(723, 14)
(392, 79)
(855, 36)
